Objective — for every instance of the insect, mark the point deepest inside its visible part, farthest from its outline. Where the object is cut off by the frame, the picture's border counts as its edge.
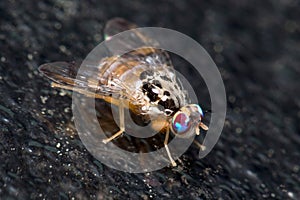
(142, 80)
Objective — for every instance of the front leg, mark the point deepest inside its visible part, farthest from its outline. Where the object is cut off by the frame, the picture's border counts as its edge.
(167, 148)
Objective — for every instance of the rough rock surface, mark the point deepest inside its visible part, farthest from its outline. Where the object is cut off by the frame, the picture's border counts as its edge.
(256, 46)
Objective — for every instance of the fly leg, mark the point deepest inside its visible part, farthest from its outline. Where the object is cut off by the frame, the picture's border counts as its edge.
(167, 148)
(122, 125)
(204, 127)
(201, 147)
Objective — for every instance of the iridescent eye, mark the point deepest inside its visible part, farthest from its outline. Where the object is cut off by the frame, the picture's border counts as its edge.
(200, 111)
(180, 123)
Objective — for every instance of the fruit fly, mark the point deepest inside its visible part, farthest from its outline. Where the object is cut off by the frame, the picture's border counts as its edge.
(143, 80)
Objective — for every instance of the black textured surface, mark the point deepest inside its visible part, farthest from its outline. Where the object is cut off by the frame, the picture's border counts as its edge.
(256, 46)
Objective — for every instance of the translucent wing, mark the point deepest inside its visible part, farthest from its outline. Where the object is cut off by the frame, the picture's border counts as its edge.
(60, 72)
(64, 74)
(136, 39)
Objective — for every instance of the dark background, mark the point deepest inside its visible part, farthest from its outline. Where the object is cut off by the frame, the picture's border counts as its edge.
(256, 46)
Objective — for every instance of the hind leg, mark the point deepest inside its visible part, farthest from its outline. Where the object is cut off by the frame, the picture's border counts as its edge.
(122, 126)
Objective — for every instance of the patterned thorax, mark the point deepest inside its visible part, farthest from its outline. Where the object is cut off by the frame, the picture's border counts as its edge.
(150, 85)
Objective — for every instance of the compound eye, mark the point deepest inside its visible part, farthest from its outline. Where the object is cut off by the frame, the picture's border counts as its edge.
(180, 123)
